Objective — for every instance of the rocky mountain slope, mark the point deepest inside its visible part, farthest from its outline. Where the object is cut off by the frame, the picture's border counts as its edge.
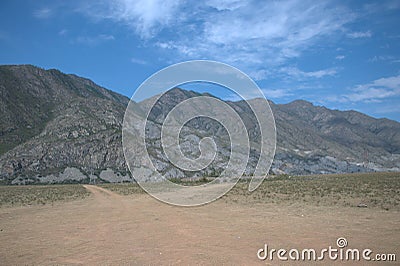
(51, 122)
(62, 128)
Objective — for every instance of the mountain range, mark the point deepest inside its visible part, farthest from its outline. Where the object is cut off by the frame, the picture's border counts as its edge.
(58, 127)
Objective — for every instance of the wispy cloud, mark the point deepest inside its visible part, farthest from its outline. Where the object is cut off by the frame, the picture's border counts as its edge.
(43, 13)
(63, 32)
(93, 40)
(145, 17)
(268, 33)
(378, 58)
(375, 91)
(138, 61)
(241, 33)
(182, 49)
(340, 57)
(299, 74)
(268, 93)
(359, 34)
(277, 93)
(222, 5)
(260, 74)
(291, 72)
(386, 109)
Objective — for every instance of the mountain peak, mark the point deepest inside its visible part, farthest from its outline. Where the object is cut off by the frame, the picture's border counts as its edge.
(300, 103)
(51, 121)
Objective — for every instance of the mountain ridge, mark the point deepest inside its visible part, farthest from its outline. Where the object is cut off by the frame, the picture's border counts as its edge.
(55, 125)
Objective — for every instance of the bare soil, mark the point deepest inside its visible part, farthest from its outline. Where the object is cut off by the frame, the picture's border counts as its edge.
(107, 228)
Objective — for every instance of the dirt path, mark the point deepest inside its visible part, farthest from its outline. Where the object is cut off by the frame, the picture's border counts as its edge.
(107, 228)
(99, 192)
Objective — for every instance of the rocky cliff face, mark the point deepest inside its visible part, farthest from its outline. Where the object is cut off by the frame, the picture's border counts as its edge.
(62, 128)
(52, 121)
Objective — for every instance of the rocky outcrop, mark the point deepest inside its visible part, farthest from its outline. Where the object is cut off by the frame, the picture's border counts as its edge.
(62, 128)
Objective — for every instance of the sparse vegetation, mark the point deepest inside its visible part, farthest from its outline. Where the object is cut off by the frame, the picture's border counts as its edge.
(191, 181)
(381, 190)
(123, 188)
(40, 195)
(375, 190)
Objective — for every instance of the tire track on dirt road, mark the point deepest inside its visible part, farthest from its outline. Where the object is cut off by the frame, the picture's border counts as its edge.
(99, 192)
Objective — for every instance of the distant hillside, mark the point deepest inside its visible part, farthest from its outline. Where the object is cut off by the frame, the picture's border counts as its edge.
(310, 139)
(338, 140)
(51, 121)
(61, 128)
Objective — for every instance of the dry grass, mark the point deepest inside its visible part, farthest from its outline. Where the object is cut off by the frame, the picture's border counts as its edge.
(381, 190)
(109, 229)
(123, 188)
(40, 195)
(377, 190)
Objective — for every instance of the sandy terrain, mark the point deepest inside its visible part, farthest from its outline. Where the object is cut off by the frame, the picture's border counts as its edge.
(107, 228)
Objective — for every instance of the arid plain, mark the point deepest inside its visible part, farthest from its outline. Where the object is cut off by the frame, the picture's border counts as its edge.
(119, 224)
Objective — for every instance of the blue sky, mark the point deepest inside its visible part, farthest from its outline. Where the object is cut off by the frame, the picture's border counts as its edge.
(340, 54)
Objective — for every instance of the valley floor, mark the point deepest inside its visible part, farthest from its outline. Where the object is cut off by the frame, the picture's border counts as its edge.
(108, 228)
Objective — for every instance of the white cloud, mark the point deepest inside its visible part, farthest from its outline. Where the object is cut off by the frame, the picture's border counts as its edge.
(369, 95)
(182, 49)
(359, 34)
(138, 61)
(221, 5)
(246, 34)
(390, 82)
(297, 73)
(43, 13)
(277, 93)
(146, 17)
(271, 32)
(268, 93)
(340, 57)
(374, 91)
(382, 58)
(94, 40)
(260, 74)
(291, 72)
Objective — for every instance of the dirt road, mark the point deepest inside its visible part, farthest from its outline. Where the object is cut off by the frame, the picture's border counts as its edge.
(107, 228)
